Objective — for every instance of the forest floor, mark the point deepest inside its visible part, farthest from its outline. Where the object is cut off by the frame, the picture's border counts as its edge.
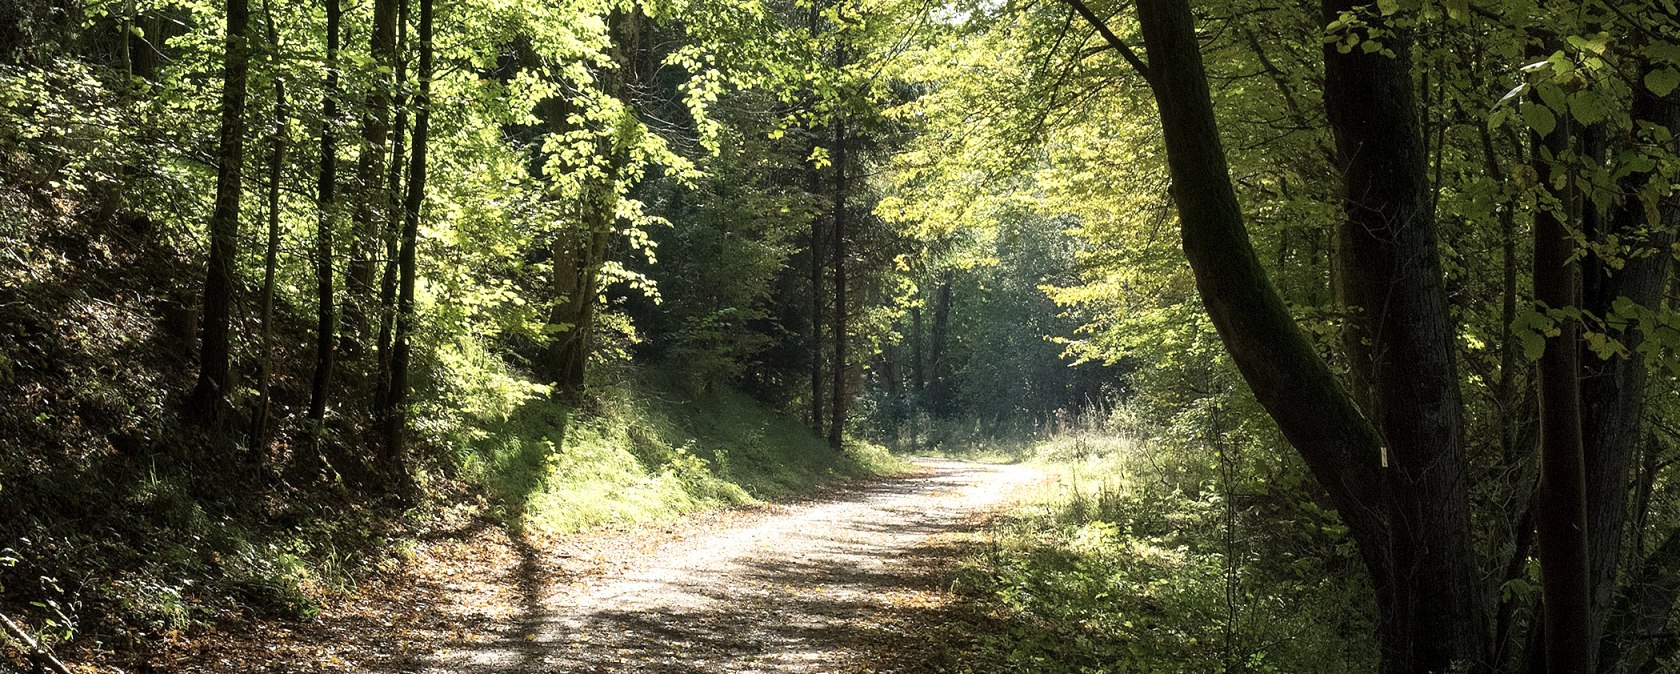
(857, 580)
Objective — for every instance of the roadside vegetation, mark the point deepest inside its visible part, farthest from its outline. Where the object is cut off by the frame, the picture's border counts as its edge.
(1349, 329)
(648, 453)
(1137, 555)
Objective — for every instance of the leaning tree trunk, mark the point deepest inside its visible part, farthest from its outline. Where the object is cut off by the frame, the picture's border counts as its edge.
(209, 395)
(1410, 524)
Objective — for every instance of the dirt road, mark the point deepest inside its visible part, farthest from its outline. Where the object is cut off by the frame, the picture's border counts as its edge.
(808, 588)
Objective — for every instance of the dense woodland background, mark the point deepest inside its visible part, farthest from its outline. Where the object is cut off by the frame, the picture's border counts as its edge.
(1346, 327)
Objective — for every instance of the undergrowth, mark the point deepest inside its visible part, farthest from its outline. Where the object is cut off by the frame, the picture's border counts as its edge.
(1135, 557)
(647, 452)
(121, 535)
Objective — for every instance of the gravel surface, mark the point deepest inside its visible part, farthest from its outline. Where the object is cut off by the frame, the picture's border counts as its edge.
(826, 586)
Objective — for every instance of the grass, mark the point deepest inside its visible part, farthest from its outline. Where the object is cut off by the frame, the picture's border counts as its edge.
(1131, 559)
(647, 453)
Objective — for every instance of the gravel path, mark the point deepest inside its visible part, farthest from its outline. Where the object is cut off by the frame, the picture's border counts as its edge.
(806, 589)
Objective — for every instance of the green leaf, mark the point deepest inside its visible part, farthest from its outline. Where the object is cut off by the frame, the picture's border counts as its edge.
(1539, 118)
(1533, 344)
(1588, 107)
(1662, 82)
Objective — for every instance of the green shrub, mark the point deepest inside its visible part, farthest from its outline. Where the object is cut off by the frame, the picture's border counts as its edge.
(1132, 560)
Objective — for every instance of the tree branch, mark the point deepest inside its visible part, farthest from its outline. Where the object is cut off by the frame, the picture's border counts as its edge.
(1112, 39)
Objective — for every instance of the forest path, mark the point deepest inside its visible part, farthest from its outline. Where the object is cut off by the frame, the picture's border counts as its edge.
(812, 587)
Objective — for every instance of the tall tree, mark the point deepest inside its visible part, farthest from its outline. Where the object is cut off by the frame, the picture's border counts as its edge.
(939, 390)
(837, 252)
(816, 255)
(326, 190)
(1400, 489)
(1561, 517)
(1613, 390)
(1403, 347)
(393, 456)
(393, 220)
(271, 251)
(209, 394)
(373, 198)
(579, 251)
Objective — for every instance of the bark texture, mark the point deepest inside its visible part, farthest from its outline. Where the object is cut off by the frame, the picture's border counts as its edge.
(373, 197)
(1612, 391)
(1402, 352)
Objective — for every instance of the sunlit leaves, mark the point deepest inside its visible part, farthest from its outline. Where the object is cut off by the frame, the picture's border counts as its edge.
(1662, 81)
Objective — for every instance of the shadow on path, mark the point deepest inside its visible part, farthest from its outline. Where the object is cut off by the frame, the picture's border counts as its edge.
(821, 587)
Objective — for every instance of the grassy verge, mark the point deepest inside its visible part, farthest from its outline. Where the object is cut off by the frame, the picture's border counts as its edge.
(141, 560)
(648, 453)
(1136, 559)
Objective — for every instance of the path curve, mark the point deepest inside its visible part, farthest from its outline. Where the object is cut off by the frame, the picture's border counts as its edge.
(797, 591)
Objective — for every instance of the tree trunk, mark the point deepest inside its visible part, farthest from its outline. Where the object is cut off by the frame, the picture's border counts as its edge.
(209, 395)
(837, 244)
(1560, 510)
(916, 352)
(326, 194)
(580, 250)
(578, 255)
(393, 458)
(271, 252)
(1404, 352)
(892, 371)
(1613, 391)
(373, 199)
(939, 371)
(818, 262)
(1411, 524)
(393, 227)
(918, 371)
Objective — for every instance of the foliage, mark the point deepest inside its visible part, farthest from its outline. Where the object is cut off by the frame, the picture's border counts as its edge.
(1138, 558)
(648, 453)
